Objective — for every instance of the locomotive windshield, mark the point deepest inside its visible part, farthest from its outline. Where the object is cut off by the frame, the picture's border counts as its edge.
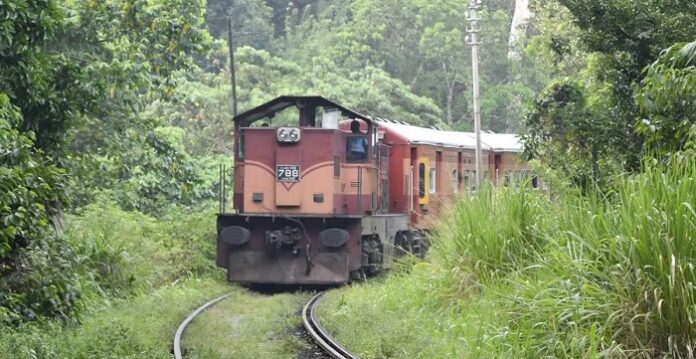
(356, 148)
(356, 145)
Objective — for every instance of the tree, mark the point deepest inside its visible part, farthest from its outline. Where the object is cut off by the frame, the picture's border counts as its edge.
(422, 44)
(251, 20)
(518, 29)
(369, 90)
(44, 85)
(132, 62)
(444, 47)
(627, 36)
(67, 66)
(667, 100)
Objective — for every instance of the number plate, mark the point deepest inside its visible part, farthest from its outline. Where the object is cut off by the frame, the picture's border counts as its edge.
(287, 173)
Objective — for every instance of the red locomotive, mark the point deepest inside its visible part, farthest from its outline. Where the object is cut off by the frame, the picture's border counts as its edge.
(340, 194)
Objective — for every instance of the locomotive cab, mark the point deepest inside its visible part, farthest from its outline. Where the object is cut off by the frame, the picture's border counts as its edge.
(310, 199)
(300, 169)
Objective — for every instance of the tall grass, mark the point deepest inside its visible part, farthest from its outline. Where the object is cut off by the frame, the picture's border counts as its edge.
(495, 231)
(597, 274)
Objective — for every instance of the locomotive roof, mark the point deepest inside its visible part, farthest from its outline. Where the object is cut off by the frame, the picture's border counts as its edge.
(280, 103)
(497, 142)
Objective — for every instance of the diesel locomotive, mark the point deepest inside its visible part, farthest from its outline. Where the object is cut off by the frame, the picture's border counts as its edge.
(338, 195)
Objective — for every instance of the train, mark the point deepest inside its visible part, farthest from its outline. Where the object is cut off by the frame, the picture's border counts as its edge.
(338, 195)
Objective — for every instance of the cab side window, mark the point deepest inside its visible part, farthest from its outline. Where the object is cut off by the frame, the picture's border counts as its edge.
(356, 148)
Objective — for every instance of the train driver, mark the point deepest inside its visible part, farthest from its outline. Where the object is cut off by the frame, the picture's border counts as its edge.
(356, 146)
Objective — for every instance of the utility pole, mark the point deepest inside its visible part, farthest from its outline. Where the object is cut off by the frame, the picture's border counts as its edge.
(230, 43)
(474, 30)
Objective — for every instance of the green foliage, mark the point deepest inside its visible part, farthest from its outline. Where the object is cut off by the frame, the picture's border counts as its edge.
(35, 99)
(519, 273)
(421, 44)
(147, 169)
(613, 270)
(491, 251)
(125, 253)
(65, 67)
(137, 327)
(666, 100)
(251, 19)
(104, 252)
(30, 188)
(202, 106)
(572, 133)
(618, 39)
(639, 29)
(43, 283)
(45, 86)
(29, 185)
(115, 145)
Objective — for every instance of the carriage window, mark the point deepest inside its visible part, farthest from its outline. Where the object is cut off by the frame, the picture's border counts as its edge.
(421, 180)
(433, 180)
(356, 148)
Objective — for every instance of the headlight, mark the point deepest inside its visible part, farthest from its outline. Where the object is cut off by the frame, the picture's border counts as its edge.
(288, 134)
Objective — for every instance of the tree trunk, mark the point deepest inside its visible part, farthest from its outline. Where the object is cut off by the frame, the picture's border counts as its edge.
(518, 28)
(415, 78)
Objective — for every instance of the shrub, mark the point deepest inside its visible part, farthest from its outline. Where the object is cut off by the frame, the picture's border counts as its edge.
(607, 273)
(494, 231)
(34, 267)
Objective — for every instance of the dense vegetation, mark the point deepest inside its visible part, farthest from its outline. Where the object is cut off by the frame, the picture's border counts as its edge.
(115, 115)
(559, 275)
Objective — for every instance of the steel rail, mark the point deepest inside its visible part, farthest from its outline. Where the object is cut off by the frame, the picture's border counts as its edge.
(188, 320)
(319, 334)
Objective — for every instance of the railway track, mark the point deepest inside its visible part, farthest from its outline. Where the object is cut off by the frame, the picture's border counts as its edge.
(316, 332)
(319, 334)
(188, 320)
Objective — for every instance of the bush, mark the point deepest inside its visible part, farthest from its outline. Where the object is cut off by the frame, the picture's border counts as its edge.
(103, 253)
(523, 273)
(125, 252)
(34, 269)
(592, 273)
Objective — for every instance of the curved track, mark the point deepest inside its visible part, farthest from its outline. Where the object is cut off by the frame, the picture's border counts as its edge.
(319, 334)
(316, 332)
(187, 321)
